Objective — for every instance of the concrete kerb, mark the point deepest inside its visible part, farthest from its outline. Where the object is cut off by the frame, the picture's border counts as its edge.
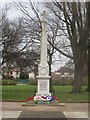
(83, 107)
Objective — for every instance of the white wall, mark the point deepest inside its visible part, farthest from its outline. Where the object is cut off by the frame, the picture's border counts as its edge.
(31, 75)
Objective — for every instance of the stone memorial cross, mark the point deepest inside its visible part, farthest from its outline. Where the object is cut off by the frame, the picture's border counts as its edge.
(43, 68)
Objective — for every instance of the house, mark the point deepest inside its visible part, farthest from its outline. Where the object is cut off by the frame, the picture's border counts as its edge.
(15, 73)
(56, 76)
(31, 75)
(66, 72)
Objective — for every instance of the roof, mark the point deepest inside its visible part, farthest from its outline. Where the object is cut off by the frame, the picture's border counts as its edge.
(64, 69)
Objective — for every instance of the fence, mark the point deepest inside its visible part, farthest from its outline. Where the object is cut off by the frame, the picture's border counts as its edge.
(65, 96)
(21, 93)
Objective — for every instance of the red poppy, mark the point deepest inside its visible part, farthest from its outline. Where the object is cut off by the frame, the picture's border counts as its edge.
(55, 98)
(43, 97)
(31, 98)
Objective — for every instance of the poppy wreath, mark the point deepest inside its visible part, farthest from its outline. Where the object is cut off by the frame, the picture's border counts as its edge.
(48, 98)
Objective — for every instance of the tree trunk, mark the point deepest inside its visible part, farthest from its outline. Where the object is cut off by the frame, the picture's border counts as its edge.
(79, 61)
(77, 83)
(50, 63)
(88, 12)
(88, 88)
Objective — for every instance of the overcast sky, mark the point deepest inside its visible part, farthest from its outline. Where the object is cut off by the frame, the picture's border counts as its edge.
(8, 1)
(12, 14)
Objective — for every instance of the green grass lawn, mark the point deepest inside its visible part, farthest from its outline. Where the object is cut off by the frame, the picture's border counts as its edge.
(22, 92)
(18, 92)
(64, 94)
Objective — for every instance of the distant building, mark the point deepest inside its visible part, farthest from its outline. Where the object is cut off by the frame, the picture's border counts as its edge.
(66, 72)
(15, 73)
(63, 72)
(31, 75)
(56, 76)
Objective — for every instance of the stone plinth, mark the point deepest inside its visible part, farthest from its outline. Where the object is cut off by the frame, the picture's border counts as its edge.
(43, 86)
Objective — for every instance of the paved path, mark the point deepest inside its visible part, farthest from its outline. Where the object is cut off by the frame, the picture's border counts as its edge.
(70, 110)
(44, 114)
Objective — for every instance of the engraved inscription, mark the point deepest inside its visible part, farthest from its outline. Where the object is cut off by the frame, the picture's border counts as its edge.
(43, 85)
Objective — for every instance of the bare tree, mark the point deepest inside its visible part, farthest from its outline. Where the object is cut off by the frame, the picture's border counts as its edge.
(16, 43)
(73, 17)
(34, 29)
